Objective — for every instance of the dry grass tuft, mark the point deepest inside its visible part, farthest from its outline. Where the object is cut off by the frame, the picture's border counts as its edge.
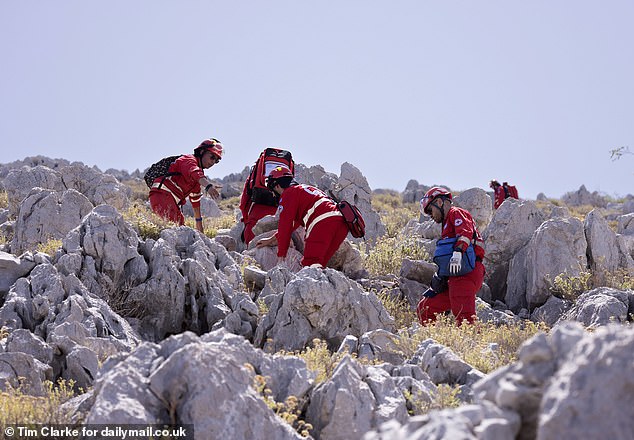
(19, 408)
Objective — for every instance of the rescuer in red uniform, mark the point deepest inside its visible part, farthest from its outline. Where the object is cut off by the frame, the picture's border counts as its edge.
(186, 179)
(454, 292)
(305, 205)
(499, 194)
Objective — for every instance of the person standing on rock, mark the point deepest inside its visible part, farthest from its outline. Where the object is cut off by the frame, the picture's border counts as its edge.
(186, 178)
(498, 193)
(459, 254)
(307, 206)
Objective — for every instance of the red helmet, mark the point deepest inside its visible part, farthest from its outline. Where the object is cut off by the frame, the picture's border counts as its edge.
(280, 171)
(212, 145)
(431, 195)
(277, 173)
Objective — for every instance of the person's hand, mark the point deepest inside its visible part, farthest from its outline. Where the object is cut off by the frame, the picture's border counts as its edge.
(455, 263)
(267, 242)
(281, 261)
(213, 192)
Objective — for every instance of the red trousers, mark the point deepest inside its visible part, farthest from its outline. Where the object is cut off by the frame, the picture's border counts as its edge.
(324, 240)
(256, 212)
(164, 205)
(459, 298)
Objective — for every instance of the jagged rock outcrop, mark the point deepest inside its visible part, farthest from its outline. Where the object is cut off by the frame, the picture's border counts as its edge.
(207, 382)
(478, 203)
(19, 182)
(315, 175)
(353, 187)
(322, 304)
(584, 197)
(414, 191)
(12, 268)
(534, 267)
(98, 187)
(557, 377)
(511, 227)
(47, 215)
(64, 319)
(356, 399)
(103, 252)
(603, 249)
(601, 306)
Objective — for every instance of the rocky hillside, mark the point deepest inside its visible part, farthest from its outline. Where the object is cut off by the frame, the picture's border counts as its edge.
(158, 324)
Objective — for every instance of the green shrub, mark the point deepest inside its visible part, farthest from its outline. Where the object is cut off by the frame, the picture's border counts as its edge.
(50, 246)
(485, 346)
(398, 308)
(290, 410)
(569, 287)
(386, 257)
(445, 396)
(146, 223)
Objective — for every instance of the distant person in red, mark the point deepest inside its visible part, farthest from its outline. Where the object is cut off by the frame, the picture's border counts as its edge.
(498, 191)
(307, 206)
(186, 178)
(454, 292)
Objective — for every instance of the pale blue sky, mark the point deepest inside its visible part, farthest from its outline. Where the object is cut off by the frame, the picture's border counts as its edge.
(449, 92)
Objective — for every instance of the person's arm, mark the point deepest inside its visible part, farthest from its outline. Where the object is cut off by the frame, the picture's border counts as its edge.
(198, 218)
(208, 187)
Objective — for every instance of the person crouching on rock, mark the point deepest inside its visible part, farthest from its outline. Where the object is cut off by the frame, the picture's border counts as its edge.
(305, 205)
(185, 179)
(459, 254)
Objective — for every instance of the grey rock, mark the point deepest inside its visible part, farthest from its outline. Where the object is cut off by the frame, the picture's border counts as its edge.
(543, 259)
(23, 341)
(322, 304)
(510, 229)
(12, 268)
(625, 224)
(20, 181)
(590, 381)
(478, 203)
(22, 371)
(583, 197)
(47, 215)
(206, 382)
(551, 311)
(443, 365)
(603, 250)
(354, 400)
(600, 306)
(418, 270)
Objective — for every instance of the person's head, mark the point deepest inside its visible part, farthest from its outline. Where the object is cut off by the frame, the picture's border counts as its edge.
(436, 203)
(209, 152)
(493, 184)
(279, 179)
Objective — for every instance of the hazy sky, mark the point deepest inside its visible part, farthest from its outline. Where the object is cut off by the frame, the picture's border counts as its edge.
(449, 92)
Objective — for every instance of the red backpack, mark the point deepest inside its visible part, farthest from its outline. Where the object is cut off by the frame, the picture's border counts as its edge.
(510, 191)
(352, 217)
(255, 186)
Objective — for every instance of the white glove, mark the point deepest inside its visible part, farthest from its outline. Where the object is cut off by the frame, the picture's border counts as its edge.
(455, 263)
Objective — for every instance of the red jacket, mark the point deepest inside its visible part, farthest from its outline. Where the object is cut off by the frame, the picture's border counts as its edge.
(245, 202)
(295, 203)
(459, 223)
(500, 196)
(185, 183)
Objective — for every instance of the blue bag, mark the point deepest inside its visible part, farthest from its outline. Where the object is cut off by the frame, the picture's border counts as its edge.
(442, 255)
